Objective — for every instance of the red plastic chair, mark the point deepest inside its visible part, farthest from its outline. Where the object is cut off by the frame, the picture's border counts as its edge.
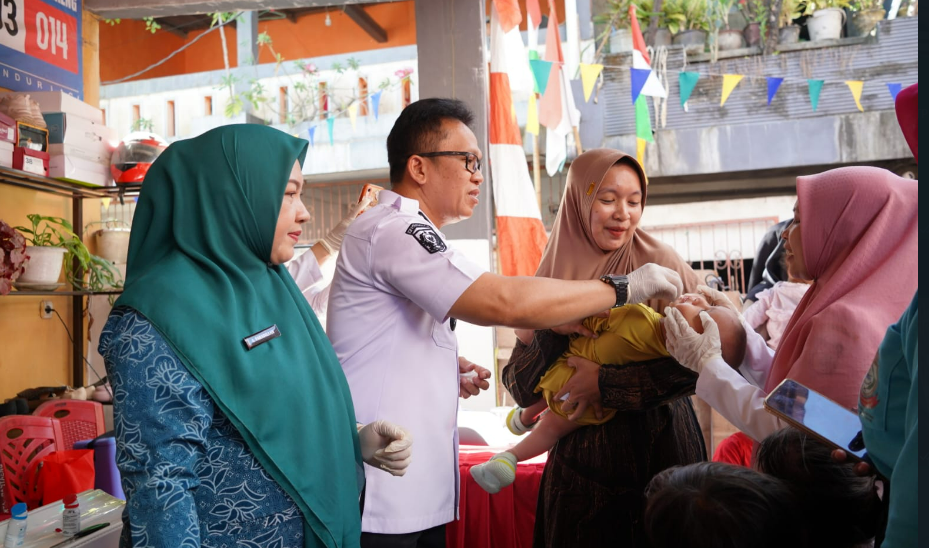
(24, 441)
(80, 420)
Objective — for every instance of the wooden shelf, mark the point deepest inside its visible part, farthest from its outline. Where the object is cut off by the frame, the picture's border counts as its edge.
(22, 179)
(77, 193)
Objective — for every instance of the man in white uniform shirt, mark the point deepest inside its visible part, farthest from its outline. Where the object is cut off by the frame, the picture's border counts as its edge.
(396, 294)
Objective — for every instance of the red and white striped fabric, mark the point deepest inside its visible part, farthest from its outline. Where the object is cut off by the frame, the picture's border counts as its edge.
(520, 234)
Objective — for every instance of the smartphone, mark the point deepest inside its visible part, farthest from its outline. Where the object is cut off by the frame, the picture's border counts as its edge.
(818, 416)
(367, 190)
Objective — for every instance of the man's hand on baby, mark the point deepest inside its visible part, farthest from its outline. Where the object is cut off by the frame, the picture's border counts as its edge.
(582, 390)
(472, 378)
(651, 281)
(578, 328)
(386, 446)
(691, 349)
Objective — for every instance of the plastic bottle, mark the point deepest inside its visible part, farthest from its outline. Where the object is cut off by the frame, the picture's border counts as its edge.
(16, 527)
(71, 517)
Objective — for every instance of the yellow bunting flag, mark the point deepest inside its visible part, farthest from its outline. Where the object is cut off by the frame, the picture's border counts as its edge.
(855, 87)
(106, 202)
(532, 116)
(730, 81)
(353, 113)
(589, 74)
(640, 151)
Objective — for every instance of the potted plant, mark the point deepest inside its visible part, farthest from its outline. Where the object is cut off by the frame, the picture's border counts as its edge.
(688, 23)
(865, 16)
(726, 38)
(645, 10)
(13, 256)
(827, 17)
(756, 13)
(788, 32)
(52, 240)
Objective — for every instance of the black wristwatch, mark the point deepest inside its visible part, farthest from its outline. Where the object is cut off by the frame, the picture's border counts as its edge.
(620, 285)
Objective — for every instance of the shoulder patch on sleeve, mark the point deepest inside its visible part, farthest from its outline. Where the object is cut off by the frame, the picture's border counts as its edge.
(427, 237)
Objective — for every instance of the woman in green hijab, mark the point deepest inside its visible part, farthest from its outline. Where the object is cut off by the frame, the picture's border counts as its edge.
(233, 419)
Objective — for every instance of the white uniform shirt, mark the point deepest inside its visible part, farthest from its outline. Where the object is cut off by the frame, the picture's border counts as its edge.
(394, 284)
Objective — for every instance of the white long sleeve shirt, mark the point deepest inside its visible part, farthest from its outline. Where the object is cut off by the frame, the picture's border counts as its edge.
(309, 278)
(740, 398)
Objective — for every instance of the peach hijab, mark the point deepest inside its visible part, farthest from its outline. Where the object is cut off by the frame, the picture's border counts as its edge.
(859, 230)
(572, 253)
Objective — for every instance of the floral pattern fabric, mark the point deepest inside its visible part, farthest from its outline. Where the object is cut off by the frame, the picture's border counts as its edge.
(189, 477)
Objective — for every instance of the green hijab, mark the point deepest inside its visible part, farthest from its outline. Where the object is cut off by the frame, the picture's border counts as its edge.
(199, 269)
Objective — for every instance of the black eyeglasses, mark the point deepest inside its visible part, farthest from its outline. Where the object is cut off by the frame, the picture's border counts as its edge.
(472, 162)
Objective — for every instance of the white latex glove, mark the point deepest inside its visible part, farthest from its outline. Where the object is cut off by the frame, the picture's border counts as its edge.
(691, 349)
(333, 240)
(651, 281)
(386, 446)
(718, 298)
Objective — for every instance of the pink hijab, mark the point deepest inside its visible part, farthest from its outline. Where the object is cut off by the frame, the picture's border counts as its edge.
(859, 233)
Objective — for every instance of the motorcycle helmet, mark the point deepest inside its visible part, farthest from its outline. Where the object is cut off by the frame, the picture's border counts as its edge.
(134, 155)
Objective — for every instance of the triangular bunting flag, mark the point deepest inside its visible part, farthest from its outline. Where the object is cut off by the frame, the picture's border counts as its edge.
(534, 55)
(532, 116)
(773, 85)
(640, 152)
(589, 75)
(855, 86)
(353, 113)
(541, 71)
(815, 87)
(312, 132)
(639, 77)
(331, 123)
(687, 82)
(730, 81)
(894, 89)
(643, 123)
(376, 102)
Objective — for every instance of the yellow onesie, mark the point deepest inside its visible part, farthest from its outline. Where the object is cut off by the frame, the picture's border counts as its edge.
(631, 334)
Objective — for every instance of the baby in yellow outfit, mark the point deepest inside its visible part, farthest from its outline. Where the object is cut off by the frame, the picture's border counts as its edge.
(631, 333)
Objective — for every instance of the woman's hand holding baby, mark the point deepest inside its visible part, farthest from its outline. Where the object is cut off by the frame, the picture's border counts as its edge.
(582, 389)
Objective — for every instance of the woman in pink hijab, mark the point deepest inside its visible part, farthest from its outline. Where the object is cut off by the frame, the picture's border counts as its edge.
(855, 235)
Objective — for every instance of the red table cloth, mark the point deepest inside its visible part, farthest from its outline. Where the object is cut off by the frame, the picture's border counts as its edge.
(503, 520)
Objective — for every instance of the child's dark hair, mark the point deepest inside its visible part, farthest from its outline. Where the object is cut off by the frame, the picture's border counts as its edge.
(841, 508)
(718, 505)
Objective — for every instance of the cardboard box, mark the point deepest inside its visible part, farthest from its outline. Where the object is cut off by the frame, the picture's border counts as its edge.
(64, 128)
(98, 156)
(7, 129)
(30, 161)
(57, 101)
(6, 154)
(77, 170)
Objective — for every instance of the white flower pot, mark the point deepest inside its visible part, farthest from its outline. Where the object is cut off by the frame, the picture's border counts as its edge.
(43, 268)
(826, 24)
(113, 244)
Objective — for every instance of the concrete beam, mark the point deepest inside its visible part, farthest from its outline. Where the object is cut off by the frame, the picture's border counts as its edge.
(450, 40)
(137, 9)
(366, 22)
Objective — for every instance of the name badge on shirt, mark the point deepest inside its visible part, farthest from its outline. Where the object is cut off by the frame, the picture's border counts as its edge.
(261, 337)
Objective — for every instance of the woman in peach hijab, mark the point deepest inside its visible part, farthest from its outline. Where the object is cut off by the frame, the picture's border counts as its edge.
(592, 491)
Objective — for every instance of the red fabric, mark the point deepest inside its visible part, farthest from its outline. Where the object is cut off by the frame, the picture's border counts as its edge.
(907, 106)
(735, 449)
(503, 127)
(638, 41)
(520, 241)
(504, 520)
(509, 13)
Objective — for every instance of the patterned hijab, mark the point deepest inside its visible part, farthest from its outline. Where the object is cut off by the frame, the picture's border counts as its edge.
(572, 253)
(860, 244)
(199, 269)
